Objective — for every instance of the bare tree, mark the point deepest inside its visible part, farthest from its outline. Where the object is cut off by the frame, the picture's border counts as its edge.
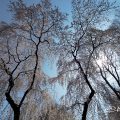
(26, 40)
(32, 35)
(80, 44)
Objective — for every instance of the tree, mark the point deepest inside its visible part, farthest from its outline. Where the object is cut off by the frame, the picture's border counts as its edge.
(25, 41)
(79, 45)
(87, 57)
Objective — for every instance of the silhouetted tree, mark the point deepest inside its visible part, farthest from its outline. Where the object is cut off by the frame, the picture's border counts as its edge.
(25, 42)
(79, 45)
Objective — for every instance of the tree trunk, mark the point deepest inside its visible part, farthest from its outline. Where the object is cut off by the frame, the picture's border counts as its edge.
(85, 111)
(86, 105)
(13, 105)
(17, 114)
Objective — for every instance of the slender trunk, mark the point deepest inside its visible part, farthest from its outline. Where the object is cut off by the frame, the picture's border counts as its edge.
(86, 105)
(84, 114)
(13, 105)
(17, 114)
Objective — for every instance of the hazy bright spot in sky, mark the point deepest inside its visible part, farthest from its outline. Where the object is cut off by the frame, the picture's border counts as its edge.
(104, 25)
(99, 62)
(102, 60)
(49, 67)
(107, 21)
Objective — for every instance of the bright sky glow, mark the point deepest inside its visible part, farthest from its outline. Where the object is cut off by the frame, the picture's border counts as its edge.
(99, 62)
(49, 67)
(102, 60)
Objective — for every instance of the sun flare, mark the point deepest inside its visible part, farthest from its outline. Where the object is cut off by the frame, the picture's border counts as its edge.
(102, 60)
(99, 62)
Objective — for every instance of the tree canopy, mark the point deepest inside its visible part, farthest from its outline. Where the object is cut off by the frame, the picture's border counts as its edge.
(87, 62)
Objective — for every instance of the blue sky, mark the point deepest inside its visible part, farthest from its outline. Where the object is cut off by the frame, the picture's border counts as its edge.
(64, 5)
(4, 14)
